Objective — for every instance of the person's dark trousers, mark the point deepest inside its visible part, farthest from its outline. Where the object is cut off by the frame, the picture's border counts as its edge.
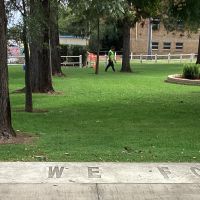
(110, 64)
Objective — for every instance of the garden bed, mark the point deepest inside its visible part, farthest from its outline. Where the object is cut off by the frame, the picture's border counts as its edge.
(177, 78)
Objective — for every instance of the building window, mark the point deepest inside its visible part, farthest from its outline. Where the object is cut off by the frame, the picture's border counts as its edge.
(167, 45)
(155, 45)
(180, 25)
(155, 27)
(155, 24)
(179, 45)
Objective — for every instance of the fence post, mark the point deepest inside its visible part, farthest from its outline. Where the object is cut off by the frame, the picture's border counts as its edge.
(181, 58)
(80, 61)
(106, 61)
(169, 55)
(191, 57)
(141, 58)
(156, 58)
(131, 56)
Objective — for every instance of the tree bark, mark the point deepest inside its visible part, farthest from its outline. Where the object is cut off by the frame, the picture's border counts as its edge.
(6, 130)
(198, 55)
(41, 72)
(126, 48)
(54, 38)
(28, 90)
(98, 46)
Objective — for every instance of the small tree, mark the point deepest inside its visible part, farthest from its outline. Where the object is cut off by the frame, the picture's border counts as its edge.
(22, 7)
(6, 129)
(93, 11)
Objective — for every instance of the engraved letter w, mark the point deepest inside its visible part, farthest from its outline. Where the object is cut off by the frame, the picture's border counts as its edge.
(55, 171)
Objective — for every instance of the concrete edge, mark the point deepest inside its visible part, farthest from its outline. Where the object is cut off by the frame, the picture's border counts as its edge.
(176, 78)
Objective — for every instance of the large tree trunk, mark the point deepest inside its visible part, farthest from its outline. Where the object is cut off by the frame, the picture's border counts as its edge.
(126, 48)
(54, 38)
(198, 56)
(28, 104)
(6, 130)
(39, 50)
(98, 46)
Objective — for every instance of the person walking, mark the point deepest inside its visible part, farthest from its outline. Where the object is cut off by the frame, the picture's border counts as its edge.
(111, 59)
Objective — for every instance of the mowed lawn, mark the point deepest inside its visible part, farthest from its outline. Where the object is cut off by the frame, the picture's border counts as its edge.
(109, 117)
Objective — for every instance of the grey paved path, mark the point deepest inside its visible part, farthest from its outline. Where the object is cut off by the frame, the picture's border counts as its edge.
(99, 181)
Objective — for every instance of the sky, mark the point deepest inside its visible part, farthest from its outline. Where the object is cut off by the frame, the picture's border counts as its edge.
(14, 19)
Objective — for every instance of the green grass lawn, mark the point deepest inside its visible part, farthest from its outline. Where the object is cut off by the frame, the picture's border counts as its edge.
(110, 117)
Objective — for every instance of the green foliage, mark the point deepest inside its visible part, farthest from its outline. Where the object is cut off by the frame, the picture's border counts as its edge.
(74, 50)
(15, 32)
(186, 11)
(110, 31)
(72, 24)
(191, 71)
(137, 10)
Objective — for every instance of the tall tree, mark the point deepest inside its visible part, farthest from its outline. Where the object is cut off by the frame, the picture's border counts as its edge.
(54, 39)
(6, 129)
(198, 55)
(135, 11)
(186, 11)
(39, 47)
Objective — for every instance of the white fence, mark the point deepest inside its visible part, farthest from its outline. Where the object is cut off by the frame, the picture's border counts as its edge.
(156, 58)
(169, 58)
(16, 59)
(68, 61)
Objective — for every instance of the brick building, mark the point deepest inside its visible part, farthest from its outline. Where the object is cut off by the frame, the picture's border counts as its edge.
(162, 41)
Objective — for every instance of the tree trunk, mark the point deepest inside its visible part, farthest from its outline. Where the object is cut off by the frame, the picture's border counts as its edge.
(6, 130)
(39, 50)
(126, 48)
(98, 46)
(54, 38)
(28, 104)
(198, 56)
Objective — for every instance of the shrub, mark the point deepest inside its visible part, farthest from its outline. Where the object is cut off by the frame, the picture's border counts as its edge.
(191, 71)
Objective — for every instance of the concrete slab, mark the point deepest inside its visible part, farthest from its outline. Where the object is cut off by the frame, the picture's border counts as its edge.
(99, 181)
(99, 192)
(149, 191)
(48, 192)
(99, 172)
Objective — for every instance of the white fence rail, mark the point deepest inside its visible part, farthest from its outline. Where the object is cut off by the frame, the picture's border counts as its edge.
(67, 61)
(169, 58)
(16, 59)
(156, 58)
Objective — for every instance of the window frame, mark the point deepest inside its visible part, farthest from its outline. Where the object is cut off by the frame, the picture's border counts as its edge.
(155, 44)
(167, 45)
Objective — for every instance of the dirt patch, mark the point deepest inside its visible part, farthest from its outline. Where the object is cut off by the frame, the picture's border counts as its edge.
(21, 138)
(22, 91)
(34, 110)
(55, 93)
